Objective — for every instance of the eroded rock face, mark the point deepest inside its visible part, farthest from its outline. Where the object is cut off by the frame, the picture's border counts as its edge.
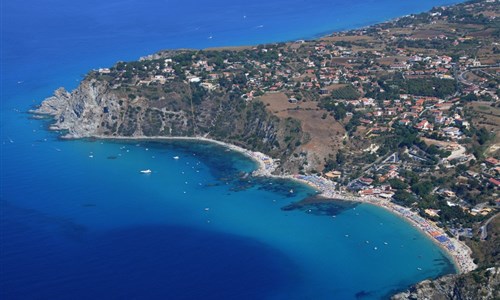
(95, 108)
(481, 284)
(80, 111)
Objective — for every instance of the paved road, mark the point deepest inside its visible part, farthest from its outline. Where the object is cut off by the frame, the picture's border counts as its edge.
(462, 79)
(484, 228)
(457, 153)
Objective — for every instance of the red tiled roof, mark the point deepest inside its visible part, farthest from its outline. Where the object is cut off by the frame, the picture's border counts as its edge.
(494, 181)
(492, 161)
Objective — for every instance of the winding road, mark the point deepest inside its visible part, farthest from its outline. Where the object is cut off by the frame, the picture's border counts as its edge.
(484, 228)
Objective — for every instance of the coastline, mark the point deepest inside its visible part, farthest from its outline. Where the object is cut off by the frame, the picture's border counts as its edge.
(462, 262)
(257, 157)
(457, 251)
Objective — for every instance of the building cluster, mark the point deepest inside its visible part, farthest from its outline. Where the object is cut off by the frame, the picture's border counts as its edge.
(370, 71)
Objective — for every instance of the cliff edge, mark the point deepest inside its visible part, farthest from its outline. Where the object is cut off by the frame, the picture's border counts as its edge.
(179, 109)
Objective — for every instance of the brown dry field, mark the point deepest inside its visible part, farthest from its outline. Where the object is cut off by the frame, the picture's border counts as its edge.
(361, 130)
(376, 47)
(424, 34)
(490, 60)
(492, 71)
(487, 58)
(449, 27)
(295, 46)
(340, 60)
(336, 86)
(486, 53)
(472, 77)
(489, 118)
(422, 51)
(348, 38)
(401, 30)
(325, 134)
(278, 102)
(437, 143)
(483, 33)
(230, 48)
(490, 14)
(304, 76)
(471, 27)
(391, 59)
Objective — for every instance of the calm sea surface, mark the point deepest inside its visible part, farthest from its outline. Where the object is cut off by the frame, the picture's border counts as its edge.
(79, 220)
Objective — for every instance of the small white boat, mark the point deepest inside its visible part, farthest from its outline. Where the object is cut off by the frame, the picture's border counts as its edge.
(148, 171)
(176, 157)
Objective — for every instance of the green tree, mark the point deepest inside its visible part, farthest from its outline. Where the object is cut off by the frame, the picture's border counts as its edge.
(403, 197)
(422, 188)
(398, 184)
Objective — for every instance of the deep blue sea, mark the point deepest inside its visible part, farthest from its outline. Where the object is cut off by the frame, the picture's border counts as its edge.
(78, 220)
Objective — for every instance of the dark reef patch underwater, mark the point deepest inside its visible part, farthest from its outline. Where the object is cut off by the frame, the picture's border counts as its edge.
(79, 220)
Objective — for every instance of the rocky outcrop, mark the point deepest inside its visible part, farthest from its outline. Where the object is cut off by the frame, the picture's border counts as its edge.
(480, 284)
(96, 108)
(80, 112)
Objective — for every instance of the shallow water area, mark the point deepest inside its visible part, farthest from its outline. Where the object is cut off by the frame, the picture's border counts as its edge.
(80, 219)
(94, 191)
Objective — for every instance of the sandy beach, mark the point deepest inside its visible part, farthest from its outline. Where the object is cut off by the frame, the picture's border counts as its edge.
(458, 251)
(259, 158)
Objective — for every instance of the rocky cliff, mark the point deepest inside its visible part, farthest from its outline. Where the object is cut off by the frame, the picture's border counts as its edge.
(480, 284)
(98, 108)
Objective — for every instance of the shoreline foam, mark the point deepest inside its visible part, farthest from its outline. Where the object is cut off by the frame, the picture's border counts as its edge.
(457, 251)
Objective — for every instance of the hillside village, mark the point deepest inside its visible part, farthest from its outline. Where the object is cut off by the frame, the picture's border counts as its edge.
(407, 110)
(404, 115)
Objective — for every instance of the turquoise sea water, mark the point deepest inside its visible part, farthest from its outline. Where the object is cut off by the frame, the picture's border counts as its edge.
(79, 220)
